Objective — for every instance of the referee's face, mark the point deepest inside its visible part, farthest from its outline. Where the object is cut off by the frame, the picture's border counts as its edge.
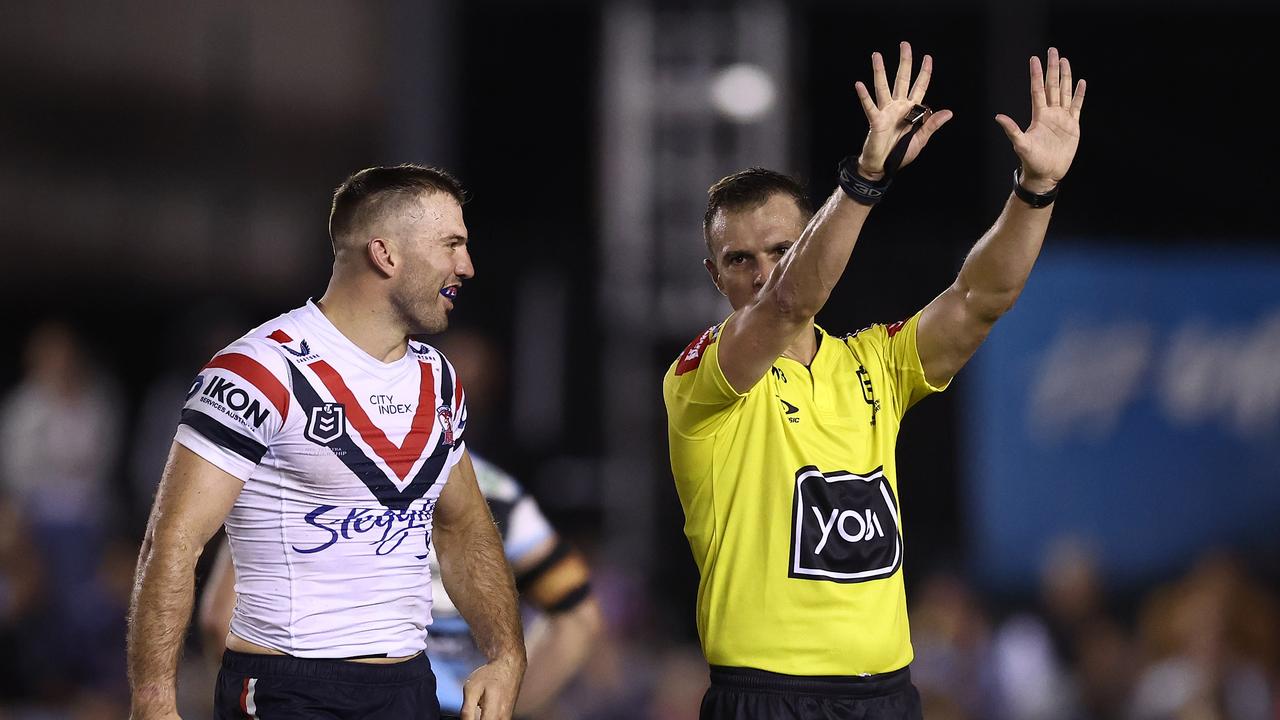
(748, 243)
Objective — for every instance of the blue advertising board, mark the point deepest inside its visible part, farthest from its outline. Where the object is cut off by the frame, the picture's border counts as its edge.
(1131, 399)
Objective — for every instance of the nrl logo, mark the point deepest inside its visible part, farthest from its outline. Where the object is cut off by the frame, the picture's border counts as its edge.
(327, 423)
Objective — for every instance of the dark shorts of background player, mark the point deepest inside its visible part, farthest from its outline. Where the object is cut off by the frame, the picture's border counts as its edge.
(750, 694)
(282, 687)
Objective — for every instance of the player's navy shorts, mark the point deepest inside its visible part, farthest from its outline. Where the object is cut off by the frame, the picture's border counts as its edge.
(282, 687)
(750, 694)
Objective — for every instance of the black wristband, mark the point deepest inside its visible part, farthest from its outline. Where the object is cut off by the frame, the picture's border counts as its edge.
(858, 188)
(1035, 200)
(870, 192)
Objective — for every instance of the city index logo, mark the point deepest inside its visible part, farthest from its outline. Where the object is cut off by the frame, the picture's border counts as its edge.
(227, 393)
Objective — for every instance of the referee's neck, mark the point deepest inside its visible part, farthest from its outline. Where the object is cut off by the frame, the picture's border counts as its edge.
(805, 346)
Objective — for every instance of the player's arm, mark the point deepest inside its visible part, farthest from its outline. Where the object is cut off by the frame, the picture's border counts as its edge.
(475, 573)
(193, 499)
(554, 578)
(217, 602)
(955, 323)
(801, 282)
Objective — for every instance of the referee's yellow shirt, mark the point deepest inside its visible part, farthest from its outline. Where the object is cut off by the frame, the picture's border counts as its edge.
(790, 495)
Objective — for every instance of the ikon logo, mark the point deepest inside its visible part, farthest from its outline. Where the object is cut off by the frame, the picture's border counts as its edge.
(326, 423)
(844, 527)
(225, 394)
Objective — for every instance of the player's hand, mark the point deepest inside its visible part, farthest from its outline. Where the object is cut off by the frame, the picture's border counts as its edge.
(886, 114)
(1049, 144)
(490, 692)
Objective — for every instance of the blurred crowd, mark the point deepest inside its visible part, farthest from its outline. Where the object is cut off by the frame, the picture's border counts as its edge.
(79, 463)
(1201, 647)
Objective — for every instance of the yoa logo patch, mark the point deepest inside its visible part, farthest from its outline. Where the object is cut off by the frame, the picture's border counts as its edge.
(844, 527)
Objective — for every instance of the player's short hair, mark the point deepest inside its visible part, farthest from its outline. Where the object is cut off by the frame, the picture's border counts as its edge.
(747, 190)
(371, 193)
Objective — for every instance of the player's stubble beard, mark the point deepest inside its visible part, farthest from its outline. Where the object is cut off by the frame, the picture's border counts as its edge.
(419, 309)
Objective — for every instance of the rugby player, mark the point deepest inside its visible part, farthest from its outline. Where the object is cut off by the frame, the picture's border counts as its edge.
(782, 436)
(329, 442)
(551, 576)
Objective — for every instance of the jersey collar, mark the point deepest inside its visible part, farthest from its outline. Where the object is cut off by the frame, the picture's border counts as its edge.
(319, 323)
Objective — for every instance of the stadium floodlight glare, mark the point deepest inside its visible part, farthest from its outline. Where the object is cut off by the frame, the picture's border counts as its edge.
(743, 92)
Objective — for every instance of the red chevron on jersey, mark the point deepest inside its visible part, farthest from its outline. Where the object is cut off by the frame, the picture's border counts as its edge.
(400, 458)
(692, 355)
(253, 371)
(280, 336)
(893, 328)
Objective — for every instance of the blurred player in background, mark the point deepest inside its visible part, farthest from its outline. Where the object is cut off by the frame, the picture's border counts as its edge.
(782, 436)
(552, 577)
(330, 442)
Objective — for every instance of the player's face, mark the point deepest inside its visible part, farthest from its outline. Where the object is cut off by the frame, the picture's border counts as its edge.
(749, 243)
(433, 246)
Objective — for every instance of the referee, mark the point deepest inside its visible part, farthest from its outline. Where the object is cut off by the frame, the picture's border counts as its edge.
(782, 436)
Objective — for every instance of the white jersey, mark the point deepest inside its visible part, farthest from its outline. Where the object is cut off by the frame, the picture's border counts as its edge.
(343, 458)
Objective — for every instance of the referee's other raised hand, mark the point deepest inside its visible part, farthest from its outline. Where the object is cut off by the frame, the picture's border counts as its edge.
(1048, 145)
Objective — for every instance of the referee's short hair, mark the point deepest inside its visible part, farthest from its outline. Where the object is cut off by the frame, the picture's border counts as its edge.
(374, 192)
(749, 189)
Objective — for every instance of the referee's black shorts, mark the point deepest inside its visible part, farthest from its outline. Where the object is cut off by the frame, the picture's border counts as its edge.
(750, 694)
(282, 687)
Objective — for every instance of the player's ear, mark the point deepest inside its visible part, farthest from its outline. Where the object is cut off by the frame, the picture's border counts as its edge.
(714, 272)
(382, 256)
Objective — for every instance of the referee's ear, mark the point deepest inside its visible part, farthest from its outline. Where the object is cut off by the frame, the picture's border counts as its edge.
(714, 272)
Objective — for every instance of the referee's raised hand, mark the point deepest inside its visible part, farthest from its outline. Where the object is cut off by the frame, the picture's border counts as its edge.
(888, 113)
(1048, 145)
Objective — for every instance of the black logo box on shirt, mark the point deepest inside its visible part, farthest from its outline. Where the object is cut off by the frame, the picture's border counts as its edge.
(844, 527)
